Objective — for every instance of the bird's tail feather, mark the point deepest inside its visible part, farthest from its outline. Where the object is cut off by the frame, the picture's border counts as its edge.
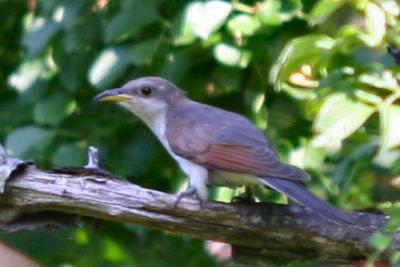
(297, 191)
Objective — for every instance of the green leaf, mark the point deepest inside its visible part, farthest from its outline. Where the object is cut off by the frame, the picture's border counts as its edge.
(375, 25)
(324, 9)
(37, 35)
(385, 80)
(175, 68)
(27, 141)
(395, 258)
(243, 25)
(269, 13)
(313, 49)
(137, 153)
(69, 155)
(108, 66)
(390, 127)
(26, 75)
(208, 17)
(142, 53)
(53, 109)
(133, 17)
(182, 29)
(231, 56)
(380, 241)
(338, 118)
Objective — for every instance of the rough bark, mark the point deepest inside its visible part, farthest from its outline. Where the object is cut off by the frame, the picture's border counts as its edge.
(259, 231)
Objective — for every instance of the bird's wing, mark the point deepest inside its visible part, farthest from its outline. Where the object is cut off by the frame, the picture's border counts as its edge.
(226, 141)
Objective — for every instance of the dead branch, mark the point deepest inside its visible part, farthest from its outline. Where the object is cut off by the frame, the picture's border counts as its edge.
(256, 231)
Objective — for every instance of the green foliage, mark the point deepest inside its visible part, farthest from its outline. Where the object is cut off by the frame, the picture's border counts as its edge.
(315, 74)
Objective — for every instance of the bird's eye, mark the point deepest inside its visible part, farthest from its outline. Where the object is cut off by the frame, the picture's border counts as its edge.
(146, 91)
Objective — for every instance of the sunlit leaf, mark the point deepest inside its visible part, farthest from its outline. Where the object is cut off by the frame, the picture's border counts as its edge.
(375, 25)
(26, 75)
(108, 66)
(385, 80)
(338, 118)
(27, 141)
(322, 10)
(183, 32)
(207, 17)
(314, 50)
(390, 126)
(269, 12)
(243, 25)
(53, 109)
(231, 56)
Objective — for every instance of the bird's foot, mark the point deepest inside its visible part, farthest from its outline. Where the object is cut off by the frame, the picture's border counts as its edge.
(189, 192)
(245, 198)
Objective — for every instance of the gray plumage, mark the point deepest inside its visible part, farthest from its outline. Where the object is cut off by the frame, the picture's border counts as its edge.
(215, 146)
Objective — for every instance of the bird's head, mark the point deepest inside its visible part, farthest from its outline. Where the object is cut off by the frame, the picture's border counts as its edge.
(146, 97)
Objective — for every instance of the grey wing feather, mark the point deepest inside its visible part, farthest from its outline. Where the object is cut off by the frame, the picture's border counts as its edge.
(227, 141)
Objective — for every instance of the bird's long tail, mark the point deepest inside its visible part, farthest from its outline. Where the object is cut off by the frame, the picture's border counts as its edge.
(297, 191)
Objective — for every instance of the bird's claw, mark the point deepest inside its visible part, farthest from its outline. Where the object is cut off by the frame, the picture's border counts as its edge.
(189, 192)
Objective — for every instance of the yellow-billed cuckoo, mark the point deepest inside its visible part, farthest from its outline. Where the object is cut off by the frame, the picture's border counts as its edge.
(214, 146)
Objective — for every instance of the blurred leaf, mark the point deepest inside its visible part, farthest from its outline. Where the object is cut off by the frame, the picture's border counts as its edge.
(28, 141)
(375, 25)
(83, 33)
(322, 10)
(175, 68)
(26, 75)
(37, 35)
(108, 66)
(53, 109)
(113, 251)
(395, 259)
(269, 12)
(67, 12)
(133, 16)
(137, 152)
(338, 118)
(73, 75)
(183, 32)
(69, 155)
(315, 51)
(243, 25)
(142, 53)
(231, 56)
(224, 194)
(390, 126)
(291, 9)
(380, 241)
(207, 17)
(386, 80)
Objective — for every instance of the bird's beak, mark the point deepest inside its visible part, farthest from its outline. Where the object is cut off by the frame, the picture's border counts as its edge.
(117, 94)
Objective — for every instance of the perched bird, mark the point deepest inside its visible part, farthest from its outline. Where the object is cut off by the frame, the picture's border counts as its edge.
(213, 146)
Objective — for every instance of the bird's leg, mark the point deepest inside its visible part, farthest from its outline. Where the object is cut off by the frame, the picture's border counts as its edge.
(244, 198)
(197, 189)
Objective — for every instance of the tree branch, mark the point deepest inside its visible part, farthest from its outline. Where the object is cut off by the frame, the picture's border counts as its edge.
(260, 230)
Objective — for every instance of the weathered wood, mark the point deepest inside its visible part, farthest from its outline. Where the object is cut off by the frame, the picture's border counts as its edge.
(262, 230)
